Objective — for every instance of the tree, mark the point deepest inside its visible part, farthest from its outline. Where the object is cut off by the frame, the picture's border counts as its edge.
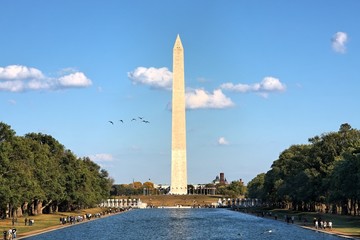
(125, 190)
(37, 174)
(255, 188)
(148, 185)
(237, 187)
(302, 177)
(327, 150)
(137, 185)
(19, 175)
(6, 133)
(345, 184)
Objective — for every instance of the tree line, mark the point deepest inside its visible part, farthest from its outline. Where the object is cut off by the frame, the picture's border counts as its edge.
(234, 189)
(39, 175)
(323, 175)
(135, 188)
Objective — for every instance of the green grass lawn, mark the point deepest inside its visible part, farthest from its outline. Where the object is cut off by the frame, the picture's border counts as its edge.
(42, 221)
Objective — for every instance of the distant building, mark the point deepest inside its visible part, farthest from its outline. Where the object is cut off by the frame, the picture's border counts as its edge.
(202, 189)
(216, 180)
(220, 180)
(162, 188)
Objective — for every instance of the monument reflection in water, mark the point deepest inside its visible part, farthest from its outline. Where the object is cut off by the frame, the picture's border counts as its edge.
(184, 224)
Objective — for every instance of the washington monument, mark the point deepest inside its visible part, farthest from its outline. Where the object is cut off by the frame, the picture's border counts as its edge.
(178, 137)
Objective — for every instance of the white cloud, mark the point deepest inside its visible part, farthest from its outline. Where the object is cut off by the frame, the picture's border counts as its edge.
(195, 98)
(12, 86)
(153, 77)
(339, 41)
(18, 72)
(267, 85)
(102, 157)
(222, 141)
(271, 84)
(199, 98)
(77, 79)
(17, 78)
(243, 88)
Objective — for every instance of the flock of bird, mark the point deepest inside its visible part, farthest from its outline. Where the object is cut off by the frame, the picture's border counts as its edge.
(141, 119)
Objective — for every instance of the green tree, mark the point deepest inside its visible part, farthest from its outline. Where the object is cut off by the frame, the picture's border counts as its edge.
(6, 133)
(345, 184)
(19, 178)
(302, 175)
(48, 152)
(255, 188)
(327, 150)
(237, 187)
(38, 170)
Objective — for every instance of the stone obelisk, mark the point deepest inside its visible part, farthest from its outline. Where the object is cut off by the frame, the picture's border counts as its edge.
(178, 138)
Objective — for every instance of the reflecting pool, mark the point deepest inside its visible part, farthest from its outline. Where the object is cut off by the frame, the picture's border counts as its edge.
(182, 224)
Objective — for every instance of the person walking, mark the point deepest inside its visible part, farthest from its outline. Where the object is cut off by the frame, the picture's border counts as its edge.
(9, 235)
(330, 225)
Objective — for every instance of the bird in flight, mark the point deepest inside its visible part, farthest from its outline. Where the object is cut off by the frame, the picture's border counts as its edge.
(140, 118)
(121, 120)
(134, 119)
(111, 122)
(145, 121)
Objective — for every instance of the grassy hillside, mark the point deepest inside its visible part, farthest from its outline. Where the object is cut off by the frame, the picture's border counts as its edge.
(173, 200)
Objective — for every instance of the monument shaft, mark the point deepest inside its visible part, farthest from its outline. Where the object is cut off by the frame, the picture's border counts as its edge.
(178, 138)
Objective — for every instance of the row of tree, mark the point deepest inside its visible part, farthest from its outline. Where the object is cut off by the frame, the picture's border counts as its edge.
(234, 189)
(135, 188)
(323, 175)
(38, 175)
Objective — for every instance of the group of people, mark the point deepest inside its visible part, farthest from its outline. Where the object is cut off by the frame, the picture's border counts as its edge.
(322, 224)
(79, 218)
(289, 219)
(89, 216)
(29, 222)
(10, 234)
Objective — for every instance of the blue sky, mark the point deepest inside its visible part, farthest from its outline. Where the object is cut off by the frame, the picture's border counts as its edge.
(260, 77)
